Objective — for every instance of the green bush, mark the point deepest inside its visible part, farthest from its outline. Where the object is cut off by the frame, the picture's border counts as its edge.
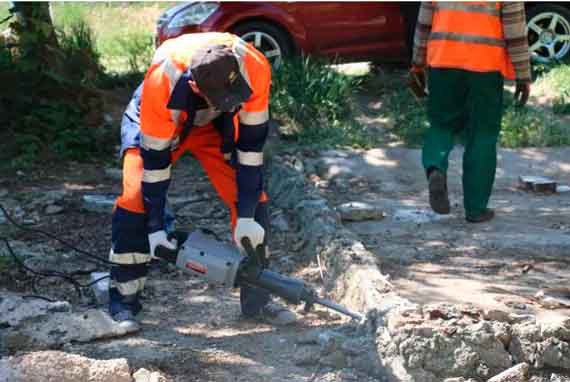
(53, 113)
(313, 99)
(138, 49)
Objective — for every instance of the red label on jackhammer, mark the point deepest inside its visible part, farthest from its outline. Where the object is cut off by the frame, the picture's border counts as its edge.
(196, 267)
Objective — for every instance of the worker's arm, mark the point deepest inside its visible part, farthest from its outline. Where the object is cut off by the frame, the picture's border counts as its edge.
(514, 31)
(253, 129)
(421, 36)
(158, 127)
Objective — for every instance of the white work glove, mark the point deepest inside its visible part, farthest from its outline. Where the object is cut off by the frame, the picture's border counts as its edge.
(247, 227)
(159, 238)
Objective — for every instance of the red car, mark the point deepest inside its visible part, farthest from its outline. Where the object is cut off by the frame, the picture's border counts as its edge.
(375, 31)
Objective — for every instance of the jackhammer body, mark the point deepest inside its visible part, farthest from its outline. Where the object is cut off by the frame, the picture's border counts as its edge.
(222, 265)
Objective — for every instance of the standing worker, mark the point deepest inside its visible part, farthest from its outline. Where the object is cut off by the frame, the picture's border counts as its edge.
(208, 94)
(469, 48)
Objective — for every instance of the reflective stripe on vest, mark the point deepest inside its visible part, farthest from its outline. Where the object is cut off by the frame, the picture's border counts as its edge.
(469, 36)
(488, 8)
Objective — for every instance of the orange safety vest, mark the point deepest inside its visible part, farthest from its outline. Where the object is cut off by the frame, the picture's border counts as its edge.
(469, 35)
(160, 126)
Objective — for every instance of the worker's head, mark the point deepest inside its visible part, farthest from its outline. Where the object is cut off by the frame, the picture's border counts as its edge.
(217, 76)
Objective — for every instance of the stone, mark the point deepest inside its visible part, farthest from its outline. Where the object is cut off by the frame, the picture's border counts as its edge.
(562, 188)
(559, 378)
(53, 209)
(48, 366)
(38, 324)
(14, 309)
(519, 318)
(417, 216)
(336, 359)
(358, 211)
(537, 184)
(496, 315)
(144, 375)
(280, 223)
(3, 192)
(98, 203)
(517, 373)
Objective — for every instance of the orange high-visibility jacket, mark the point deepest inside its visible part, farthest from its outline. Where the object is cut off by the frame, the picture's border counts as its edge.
(469, 35)
(164, 118)
(160, 125)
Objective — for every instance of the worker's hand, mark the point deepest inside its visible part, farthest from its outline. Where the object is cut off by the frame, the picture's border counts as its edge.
(247, 227)
(522, 91)
(417, 81)
(159, 238)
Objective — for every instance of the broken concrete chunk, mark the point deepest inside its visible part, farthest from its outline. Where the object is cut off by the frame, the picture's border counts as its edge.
(358, 211)
(62, 367)
(537, 184)
(98, 203)
(418, 216)
(496, 315)
(144, 375)
(517, 373)
(553, 298)
(14, 309)
(562, 188)
(38, 324)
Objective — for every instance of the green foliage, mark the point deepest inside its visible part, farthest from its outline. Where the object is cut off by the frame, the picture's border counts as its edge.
(523, 127)
(314, 100)
(138, 49)
(53, 113)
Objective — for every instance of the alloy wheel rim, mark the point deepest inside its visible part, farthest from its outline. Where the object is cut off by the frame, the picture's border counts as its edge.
(267, 45)
(549, 37)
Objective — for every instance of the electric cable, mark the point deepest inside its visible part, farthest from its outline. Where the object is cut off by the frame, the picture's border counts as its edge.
(68, 277)
(54, 237)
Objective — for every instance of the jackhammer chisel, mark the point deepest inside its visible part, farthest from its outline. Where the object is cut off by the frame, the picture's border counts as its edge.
(222, 265)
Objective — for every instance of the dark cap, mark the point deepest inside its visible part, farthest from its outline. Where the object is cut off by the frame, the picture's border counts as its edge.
(216, 72)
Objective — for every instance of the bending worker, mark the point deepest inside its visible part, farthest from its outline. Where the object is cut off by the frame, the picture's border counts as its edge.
(469, 48)
(208, 94)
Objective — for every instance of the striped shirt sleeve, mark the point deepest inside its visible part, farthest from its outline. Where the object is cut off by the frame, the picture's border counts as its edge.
(514, 31)
(421, 36)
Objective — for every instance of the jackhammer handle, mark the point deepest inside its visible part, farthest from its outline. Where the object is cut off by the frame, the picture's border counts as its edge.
(167, 254)
(257, 254)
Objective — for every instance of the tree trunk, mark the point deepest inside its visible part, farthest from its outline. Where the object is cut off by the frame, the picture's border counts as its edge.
(37, 39)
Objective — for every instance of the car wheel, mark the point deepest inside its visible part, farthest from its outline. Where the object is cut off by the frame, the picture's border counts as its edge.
(268, 39)
(548, 32)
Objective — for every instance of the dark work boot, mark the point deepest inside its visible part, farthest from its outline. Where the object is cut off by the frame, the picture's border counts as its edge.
(483, 217)
(438, 199)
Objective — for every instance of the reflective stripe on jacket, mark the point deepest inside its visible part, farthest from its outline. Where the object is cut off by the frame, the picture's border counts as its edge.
(469, 35)
(167, 108)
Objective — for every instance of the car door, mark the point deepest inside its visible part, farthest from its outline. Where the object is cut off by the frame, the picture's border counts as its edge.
(365, 30)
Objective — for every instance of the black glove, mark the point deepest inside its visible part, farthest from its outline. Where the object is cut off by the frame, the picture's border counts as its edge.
(522, 91)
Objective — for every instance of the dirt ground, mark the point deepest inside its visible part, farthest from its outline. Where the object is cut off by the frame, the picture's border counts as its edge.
(501, 264)
(190, 332)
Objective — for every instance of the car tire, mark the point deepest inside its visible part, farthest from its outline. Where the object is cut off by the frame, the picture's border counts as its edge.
(545, 42)
(272, 41)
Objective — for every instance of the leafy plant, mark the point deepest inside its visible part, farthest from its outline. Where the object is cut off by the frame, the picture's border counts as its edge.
(314, 100)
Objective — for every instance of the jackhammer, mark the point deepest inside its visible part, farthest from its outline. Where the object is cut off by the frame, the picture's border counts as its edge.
(221, 264)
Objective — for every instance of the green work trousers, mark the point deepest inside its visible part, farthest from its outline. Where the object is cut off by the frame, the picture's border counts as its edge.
(467, 104)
